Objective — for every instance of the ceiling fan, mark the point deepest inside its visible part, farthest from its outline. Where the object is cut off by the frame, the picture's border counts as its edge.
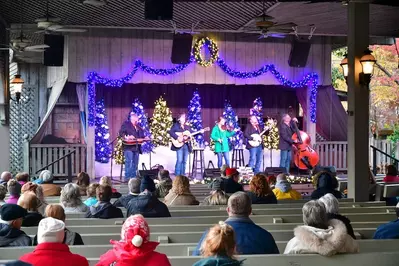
(49, 24)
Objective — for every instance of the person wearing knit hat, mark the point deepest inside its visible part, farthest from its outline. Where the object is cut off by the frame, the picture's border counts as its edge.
(46, 181)
(230, 185)
(10, 226)
(135, 247)
(389, 230)
(50, 249)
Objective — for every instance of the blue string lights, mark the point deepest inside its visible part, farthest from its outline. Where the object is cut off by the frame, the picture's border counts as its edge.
(93, 78)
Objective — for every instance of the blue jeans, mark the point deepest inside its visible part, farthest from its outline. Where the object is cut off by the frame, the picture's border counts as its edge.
(220, 158)
(285, 160)
(131, 163)
(181, 161)
(255, 158)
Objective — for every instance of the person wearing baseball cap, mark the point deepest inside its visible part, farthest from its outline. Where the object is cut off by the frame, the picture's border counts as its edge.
(50, 249)
(11, 234)
(230, 185)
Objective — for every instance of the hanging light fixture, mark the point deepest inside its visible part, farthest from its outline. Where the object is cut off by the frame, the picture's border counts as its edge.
(17, 82)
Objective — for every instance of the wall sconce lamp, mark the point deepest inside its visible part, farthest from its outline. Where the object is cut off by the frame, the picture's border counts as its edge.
(368, 61)
(17, 83)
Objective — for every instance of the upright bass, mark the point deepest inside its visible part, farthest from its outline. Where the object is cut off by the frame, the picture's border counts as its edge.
(305, 157)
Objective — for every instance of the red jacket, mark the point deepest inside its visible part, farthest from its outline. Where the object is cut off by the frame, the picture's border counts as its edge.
(53, 254)
(152, 258)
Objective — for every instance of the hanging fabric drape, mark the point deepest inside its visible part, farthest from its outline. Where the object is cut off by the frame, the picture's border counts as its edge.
(81, 93)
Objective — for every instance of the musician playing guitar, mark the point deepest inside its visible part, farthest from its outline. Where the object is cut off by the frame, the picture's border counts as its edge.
(181, 152)
(287, 129)
(251, 133)
(132, 135)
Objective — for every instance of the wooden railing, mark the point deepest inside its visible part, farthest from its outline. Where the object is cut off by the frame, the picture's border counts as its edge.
(42, 155)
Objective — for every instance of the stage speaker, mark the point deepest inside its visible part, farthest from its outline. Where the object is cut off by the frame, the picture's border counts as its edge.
(158, 9)
(299, 53)
(181, 48)
(274, 170)
(54, 55)
(153, 174)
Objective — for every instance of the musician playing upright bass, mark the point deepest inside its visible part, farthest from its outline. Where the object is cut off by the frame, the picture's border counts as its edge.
(287, 129)
(255, 152)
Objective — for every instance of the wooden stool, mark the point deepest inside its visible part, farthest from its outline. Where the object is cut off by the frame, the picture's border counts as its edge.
(238, 158)
(198, 159)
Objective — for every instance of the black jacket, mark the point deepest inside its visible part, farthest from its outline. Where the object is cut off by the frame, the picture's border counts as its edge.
(148, 206)
(345, 220)
(230, 186)
(32, 219)
(286, 133)
(124, 200)
(249, 130)
(71, 239)
(12, 237)
(128, 129)
(268, 199)
(104, 210)
(177, 128)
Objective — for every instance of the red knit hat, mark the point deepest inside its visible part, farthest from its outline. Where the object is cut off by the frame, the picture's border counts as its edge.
(231, 171)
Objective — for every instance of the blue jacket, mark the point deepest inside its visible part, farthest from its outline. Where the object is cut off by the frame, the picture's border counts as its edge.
(250, 238)
(388, 231)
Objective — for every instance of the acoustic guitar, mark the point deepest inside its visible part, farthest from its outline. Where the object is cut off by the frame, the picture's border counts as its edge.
(257, 138)
(186, 137)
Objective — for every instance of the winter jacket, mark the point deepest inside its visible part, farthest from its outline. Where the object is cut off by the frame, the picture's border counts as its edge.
(218, 261)
(51, 190)
(124, 200)
(54, 254)
(32, 219)
(104, 210)
(388, 231)
(12, 199)
(12, 237)
(77, 209)
(163, 187)
(326, 242)
(391, 179)
(224, 135)
(268, 199)
(230, 186)
(345, 220)
(151, 258)
(148, 206)
(250, 238)
(326, 184)
(283, 191)
(90, 201)
(172, 199)
(70, 239)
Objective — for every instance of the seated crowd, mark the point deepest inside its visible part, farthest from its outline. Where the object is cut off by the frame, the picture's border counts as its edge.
(324, 231)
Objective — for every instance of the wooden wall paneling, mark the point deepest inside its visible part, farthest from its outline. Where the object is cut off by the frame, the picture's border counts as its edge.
(229, 56)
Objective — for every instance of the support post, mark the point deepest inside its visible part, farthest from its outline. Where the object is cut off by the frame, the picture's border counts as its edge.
(358, 102)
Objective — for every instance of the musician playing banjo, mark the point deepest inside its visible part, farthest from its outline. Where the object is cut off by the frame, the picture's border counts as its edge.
(286, 130)
(132, 135)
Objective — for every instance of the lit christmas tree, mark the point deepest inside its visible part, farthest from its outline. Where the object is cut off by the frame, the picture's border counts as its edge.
(102, 149)
(161, 122)
(232, 122)
(194, 118)
(137, 108)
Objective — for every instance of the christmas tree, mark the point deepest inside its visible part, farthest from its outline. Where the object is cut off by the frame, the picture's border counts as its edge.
(102, 149)
(161, 122)
(232, 122)
(194, 118)
(137, 108)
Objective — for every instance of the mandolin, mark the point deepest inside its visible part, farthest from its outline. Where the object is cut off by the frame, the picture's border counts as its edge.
(186, 137)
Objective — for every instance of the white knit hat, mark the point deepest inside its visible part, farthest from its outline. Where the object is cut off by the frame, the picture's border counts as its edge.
(46, 176)
(50, 230)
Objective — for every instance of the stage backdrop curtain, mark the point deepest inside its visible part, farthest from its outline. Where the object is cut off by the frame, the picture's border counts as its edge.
(81, 93)
(56, 90)
(332, 120)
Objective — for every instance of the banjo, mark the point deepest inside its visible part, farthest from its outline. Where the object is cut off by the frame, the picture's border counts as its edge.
(257, 138)
(186, 137)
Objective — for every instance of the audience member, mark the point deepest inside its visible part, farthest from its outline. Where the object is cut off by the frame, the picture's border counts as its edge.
(180, 193)
(271, 180)
(219, 247)
(135, 247)
(10, 227)
(164, 184)
(70, 199)
(260, 192)
(320, 235)
(38, 191)
(389, 230)
(392, 175)
(50, 249)
(4, 178)
(332, 208)
(326, 183)
(22, 178)
(14, 189)
(30, 203)
(217, 197)
(83, 182)
(3, 193)
(57, 212)
(230, 184)
(284, 191)
(91, 195)
(134, 191)
(106, 180)
(49, 189)
(104, 208)
(250, 238)
(147, 203)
